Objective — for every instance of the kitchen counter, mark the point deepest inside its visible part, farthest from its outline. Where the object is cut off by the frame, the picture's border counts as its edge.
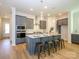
(40, 35)
(75, 33)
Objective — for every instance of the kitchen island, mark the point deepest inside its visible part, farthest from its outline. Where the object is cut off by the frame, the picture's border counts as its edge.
(33, 39)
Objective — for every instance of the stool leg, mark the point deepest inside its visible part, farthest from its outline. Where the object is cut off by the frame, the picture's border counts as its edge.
(63, 44)
(38, 56)
(39, 51)
(35, 50)
(55, 48)
(52, 47)
(59, 45)
(48, 49)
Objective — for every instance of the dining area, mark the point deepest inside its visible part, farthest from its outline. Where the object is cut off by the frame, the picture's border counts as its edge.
(44, 44)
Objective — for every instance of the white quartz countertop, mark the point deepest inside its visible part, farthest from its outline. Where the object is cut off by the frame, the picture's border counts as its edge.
(40, 35)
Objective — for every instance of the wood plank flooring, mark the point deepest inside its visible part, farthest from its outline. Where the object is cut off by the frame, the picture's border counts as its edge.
(19, 52)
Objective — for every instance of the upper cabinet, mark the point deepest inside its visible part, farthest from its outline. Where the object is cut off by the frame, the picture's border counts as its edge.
(63, 21)
(42, 24)
(22, 20)
(29, 23)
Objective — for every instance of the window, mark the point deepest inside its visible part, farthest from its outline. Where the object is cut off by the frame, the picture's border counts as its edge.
(7, 28)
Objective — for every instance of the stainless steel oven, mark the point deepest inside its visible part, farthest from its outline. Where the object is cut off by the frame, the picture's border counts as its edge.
(21, 32)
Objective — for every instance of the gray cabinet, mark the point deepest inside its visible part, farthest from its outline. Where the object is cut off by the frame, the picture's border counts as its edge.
(63, 21)
(22, 21)
(75, 38)
(20, 40)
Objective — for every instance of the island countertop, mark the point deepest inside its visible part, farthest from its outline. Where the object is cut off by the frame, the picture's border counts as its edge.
(40, 35)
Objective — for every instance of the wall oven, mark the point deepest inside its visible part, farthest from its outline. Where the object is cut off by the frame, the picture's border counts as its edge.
(21, 32)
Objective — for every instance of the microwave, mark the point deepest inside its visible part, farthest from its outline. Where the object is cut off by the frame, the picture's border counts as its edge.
(20, 27)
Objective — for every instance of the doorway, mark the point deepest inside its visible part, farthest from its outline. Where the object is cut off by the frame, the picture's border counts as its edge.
(6, 28)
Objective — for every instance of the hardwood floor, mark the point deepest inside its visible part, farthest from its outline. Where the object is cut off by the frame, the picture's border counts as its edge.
(19, 52)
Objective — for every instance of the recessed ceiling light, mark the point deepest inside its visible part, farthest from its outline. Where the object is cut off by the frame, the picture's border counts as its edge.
(45, 7)
(31, 9)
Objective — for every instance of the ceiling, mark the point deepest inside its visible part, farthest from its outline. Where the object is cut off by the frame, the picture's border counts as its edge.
(53, 6)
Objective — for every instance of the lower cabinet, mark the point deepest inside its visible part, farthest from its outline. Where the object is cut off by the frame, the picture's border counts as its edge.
(75, 38)
(20, 40)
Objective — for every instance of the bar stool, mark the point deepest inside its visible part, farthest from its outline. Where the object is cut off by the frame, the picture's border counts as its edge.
(44, 40)
(39, 48)
(56, 43)
(51, 46)
(46, 47)
(62, 43)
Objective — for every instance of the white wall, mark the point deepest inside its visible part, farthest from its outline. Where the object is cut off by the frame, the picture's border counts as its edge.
(75, 23)
(51, 22)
